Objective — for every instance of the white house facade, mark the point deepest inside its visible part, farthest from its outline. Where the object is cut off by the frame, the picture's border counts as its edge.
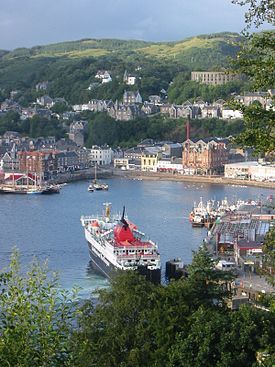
(101, 155)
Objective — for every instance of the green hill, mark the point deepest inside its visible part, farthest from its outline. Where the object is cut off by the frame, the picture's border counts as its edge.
(70, 67)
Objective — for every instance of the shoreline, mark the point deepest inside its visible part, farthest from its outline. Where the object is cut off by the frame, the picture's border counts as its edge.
(158, 176)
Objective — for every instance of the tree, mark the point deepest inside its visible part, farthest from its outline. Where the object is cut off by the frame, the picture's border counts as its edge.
(259, 131)
(256, 59)
(36, 318)
(259, 11)
(114, 332)
(224, 338)
(208, 285)
(269, 257)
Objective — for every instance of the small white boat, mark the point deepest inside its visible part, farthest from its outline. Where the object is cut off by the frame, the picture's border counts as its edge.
(91, 188)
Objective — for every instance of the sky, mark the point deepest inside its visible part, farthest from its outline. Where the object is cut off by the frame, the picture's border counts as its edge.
(27, 23)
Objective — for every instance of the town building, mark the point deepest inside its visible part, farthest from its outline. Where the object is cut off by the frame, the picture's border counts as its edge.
(42, 163)
(42, 86)
(250, 170)
(67, 161)
(45, 101)
(129, 79)
(101, 155)
(205, 156)
(170, 165)
(172, 150)
(131, 97)
(76, 132)
(229, 114)
(149, 159)
(104, 76)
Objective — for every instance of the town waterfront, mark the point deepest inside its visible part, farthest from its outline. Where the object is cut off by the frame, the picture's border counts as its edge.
(48, 227)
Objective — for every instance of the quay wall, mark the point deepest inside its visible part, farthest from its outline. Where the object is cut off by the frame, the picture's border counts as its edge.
(163, 176)
(158, 176)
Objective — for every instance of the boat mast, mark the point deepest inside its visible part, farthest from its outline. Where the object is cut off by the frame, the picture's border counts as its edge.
(95, 172)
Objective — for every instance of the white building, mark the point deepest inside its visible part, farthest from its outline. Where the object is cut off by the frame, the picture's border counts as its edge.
(101, 155)
(165, 165)
(228, 114)
(104, 76)
(250, 170)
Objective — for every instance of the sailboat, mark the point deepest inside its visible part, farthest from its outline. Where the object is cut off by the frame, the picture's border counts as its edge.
(95, 185)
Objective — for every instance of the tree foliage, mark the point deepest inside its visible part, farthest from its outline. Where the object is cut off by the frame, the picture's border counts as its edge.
(258, 12)
(269, 256)
(259, 129)
(256, 59)
(182, 90)
(35, 319)
(105, 130)
(184, 323)
(34, 127)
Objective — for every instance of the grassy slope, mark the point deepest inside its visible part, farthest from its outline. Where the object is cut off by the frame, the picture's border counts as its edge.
(201, 52)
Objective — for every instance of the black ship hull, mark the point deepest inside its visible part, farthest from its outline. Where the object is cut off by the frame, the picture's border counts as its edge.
(109, 270)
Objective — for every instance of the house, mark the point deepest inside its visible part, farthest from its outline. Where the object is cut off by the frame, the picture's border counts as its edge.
(76, 132)
(9, 162)
(129, 79)
(251, 97)
(125, 112)
(45, 101)
(104, 76)
(134, 153)
(101, 155)
(42, 86)
(10, 105)
(211, 111)
(149, 108)
(67, 161)
(130, 97)
(149, 159)
(155, 99)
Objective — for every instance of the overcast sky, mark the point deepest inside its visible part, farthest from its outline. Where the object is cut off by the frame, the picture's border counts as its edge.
(26, 23)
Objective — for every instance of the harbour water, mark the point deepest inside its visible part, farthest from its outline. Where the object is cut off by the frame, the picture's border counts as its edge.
(48, 227)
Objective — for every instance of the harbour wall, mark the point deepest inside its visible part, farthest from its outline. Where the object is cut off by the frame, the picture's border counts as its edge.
(157, 176)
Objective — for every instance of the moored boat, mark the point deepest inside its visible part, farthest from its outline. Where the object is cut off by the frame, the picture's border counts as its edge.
(95, 185)
(117, 244)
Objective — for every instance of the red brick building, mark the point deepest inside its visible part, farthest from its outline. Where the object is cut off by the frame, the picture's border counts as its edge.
(41, 163)
(206, 156)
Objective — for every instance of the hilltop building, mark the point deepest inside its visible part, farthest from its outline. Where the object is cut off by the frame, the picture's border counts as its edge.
(213, 77)
(129, 79)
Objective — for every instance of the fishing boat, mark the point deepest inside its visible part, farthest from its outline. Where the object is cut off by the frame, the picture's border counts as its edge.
(117, 244)
(205, 214)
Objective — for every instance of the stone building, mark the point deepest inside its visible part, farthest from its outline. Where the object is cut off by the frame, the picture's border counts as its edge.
(213, 77)
(205, 156)
(42, 163)
(130, 97)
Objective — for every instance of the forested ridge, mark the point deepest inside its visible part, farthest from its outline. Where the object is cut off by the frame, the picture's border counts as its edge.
(70, 67)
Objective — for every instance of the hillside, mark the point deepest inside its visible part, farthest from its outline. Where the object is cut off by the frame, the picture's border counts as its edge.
(70, 66)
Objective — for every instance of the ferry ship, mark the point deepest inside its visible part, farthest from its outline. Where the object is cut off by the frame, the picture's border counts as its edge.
(116, 243)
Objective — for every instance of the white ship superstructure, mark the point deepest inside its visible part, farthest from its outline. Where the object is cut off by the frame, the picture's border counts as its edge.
(116, 243)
